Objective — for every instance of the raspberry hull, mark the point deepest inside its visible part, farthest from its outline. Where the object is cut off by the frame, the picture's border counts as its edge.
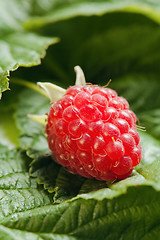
(92, 132)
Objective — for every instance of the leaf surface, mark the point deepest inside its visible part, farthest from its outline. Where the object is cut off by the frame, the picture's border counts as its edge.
(109, 56)
(21, 49)
(18, 47)
(91, 219)
(32, 134)
(57, 11)
(27, 212)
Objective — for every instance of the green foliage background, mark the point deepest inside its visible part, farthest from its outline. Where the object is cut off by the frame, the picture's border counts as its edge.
(42, 40)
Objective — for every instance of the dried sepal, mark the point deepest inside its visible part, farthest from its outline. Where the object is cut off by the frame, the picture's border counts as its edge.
(53, 91)
(41, 119)
(80, 78)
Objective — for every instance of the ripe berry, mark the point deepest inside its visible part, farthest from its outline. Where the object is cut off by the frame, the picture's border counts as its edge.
(91, 131)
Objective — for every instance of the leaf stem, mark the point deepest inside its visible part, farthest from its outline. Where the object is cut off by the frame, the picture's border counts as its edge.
(30, 85)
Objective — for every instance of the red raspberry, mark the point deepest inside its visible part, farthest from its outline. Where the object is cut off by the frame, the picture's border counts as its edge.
(92, 132)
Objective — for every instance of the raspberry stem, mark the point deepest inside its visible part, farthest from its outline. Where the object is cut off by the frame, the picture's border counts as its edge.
(30, 85)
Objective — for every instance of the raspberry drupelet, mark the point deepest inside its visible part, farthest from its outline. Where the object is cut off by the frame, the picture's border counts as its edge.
(92, 132)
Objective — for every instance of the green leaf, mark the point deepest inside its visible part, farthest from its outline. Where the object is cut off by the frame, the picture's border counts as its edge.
(48, 12)
(12, 14)
(57, 180)
(18, 192)
(8, 131)
(92, 219)
(106, 46)
(32, 134)
(13, 234)
(3, 81)
(21, 49)
(18, 47)
(46, 170)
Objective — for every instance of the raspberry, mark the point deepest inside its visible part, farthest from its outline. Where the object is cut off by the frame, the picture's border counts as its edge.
(92, 132)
